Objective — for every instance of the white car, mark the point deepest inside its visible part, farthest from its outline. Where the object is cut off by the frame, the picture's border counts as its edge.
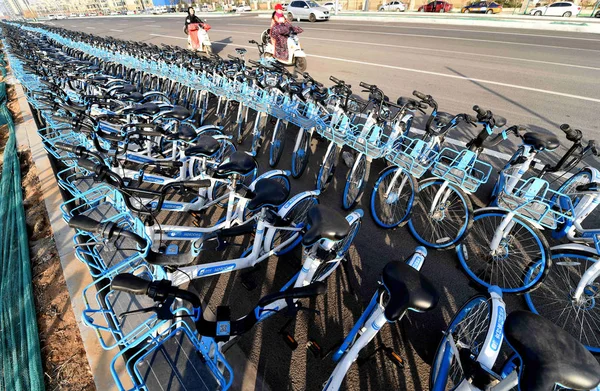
(114, 13)
(562, 8)
(397, 6)
(242, 8)
(300, 9)
(61, 17)
(73, 15)
(331, 6)
(82, 15)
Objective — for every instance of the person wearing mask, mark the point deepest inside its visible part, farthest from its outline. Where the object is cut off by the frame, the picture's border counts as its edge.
(280, 30)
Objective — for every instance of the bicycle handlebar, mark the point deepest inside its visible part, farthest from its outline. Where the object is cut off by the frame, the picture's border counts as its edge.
(161, 290)
(573, 135)
(107, 230)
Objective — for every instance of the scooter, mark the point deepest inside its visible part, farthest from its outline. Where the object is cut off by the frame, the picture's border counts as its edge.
(296, 55)
(203, 38)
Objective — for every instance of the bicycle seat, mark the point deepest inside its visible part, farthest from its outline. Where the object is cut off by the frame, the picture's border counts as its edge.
(499, 121)
(238, 163)
(99, 78)
(146, 108)
(325, 223)
(408, 289)
(541, 141)
(442, 119)
(550, 355)
(133, 97)
(268, 192)
(177, 112)
(126, 89)
(205, 146)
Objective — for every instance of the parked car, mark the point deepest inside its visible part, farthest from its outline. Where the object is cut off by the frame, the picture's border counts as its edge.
(436, 6)
(82, 15)
(204, 8)
(562, 8)
(597, 14)
(113, 13)
(241, 8)
(130, 12)
(92, 14)
(170, 10)
(285, 5)
(301, 9)
(52, 17)
(397, 6)
(482, 7)
(72, 15)
(331, 6)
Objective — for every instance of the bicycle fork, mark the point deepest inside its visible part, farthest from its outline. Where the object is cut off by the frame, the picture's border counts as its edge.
(502, 233)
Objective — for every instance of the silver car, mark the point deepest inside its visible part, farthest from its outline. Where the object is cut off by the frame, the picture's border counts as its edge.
(306, 9)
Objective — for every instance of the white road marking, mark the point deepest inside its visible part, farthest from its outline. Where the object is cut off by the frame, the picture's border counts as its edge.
(482, 81)
(120, 31)
(92, 28)
(436, 37)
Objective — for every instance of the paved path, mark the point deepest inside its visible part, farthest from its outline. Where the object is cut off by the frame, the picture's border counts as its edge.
(540, 79)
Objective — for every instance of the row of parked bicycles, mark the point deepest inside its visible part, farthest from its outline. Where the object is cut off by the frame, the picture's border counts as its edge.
(129, 127)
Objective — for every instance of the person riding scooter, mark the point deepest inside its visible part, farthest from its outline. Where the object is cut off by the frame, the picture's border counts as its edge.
(196, 30)
(286, 52)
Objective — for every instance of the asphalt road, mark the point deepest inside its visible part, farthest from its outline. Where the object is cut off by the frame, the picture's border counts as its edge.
(535, 78)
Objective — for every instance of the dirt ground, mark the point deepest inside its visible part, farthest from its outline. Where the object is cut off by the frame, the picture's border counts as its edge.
(63, 356)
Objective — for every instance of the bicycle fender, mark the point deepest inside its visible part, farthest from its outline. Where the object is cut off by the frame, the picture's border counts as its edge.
(496, 209)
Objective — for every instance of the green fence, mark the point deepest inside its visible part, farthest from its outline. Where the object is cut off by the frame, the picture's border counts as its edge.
(20, 357)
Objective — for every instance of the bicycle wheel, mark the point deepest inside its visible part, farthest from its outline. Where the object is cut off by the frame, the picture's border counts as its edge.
(355, 183)
(301, 155)
(325, 269)
(277, 143)
(444, 225)
(296, 215)
(520, 262)
(553, 299)
(389, 211)
(469, 329)
(327, 169)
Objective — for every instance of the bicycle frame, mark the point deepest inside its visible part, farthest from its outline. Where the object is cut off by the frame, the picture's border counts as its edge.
(310, 265)
(366, 328)
(488, 354)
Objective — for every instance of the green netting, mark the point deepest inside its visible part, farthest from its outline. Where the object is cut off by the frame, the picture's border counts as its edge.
(20, 357)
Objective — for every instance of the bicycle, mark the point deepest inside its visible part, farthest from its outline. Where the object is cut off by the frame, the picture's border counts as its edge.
(208, 338)
(403, 288)
(443, 212)
(545, 355)
(506, 246)
(570, 293)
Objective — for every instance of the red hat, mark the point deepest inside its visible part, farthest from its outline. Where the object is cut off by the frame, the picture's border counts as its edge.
(278, 7)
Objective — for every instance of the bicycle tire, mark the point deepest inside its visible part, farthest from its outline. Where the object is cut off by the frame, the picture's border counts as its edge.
(355, 183)
(399, 204)
(480, 266)
(277, 143)
(552, 299)
(469, 326)
(435, 229)
(301, 155)
(327, 168)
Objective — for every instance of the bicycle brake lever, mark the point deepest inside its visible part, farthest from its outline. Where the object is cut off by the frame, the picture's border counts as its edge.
(162, 310)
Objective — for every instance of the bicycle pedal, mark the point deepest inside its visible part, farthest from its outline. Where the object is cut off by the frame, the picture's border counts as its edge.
(289, 340)
(196, 223)
(313, 347)
(394, 358)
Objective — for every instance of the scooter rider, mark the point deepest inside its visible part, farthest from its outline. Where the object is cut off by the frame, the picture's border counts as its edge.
(280, 30)
(192, 31)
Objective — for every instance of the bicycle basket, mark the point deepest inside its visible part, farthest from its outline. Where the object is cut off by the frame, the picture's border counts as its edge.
(462, 168)
(534, 200)
(413, 156)
(370, 141)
